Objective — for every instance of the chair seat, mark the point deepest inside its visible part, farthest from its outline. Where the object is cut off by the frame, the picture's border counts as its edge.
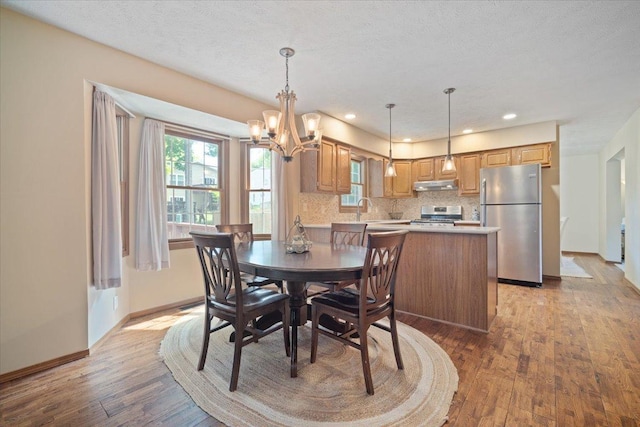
(344, 299)
(252, 297)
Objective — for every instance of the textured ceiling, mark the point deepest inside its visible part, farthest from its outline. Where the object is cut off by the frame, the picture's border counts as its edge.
(576, 62)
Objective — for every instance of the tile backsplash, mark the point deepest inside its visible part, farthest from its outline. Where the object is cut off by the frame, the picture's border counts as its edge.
(323, 208)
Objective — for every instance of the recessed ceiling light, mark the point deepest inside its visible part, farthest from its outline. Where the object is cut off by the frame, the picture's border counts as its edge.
(509, 116)
(467, 131)
(350, 116)
(406, 140)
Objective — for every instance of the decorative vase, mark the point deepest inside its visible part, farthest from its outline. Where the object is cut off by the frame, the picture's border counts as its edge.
(297, 241)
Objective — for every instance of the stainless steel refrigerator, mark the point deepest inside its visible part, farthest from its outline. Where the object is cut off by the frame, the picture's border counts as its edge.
(511, 198)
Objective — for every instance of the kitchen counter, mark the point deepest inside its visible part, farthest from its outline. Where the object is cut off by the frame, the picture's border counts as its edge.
(384, 225)
(448, 274)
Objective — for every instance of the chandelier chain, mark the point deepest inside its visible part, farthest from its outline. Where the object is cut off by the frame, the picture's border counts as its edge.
(286, 87)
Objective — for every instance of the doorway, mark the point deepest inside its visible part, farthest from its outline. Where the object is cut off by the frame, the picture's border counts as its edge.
(615, 208)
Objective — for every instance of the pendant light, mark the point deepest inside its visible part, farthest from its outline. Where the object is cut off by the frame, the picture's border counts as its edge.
(449, 164)
(391, 168)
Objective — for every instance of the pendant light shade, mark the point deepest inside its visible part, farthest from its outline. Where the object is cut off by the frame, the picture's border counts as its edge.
(449, 164)
(391, 168)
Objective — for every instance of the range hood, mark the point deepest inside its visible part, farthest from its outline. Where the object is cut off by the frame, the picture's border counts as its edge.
(447, 184)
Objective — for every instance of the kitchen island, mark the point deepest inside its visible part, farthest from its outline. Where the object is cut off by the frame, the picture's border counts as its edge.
(449, 274)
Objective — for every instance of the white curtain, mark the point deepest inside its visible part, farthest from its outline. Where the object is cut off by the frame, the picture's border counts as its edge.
(279, 220)
(152, 245)
(105, 194)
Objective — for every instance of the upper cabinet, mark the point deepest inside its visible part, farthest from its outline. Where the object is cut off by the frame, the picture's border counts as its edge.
(496, 158)
(469, 174)
(401, 185)
(424, 170)
(539, 153)
(439, 162)
(327, 170)
(343, 169)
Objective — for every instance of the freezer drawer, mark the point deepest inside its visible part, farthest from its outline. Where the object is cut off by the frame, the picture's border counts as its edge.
(519, 241)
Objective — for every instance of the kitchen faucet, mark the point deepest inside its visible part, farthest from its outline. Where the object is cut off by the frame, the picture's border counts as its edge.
(358, 207)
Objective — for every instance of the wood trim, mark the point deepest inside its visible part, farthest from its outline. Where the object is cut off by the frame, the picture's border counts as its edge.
(180, 244)
(458, 325)
(106, 336)
(547, 277)
(153, 310)
(58, 361)
(43, 366)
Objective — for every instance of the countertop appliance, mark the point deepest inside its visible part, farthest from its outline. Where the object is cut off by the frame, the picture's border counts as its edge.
(511, 198)
(438, 216)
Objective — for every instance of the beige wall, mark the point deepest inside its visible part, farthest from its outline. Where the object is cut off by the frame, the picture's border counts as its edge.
(627, 141)
(47, 307)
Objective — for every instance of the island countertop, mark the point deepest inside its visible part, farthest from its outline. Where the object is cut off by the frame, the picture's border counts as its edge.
(390, 226)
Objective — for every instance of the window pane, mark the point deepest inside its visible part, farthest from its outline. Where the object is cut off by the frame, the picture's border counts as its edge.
(191, 210)
(259, 169)
(260, 211)
(357, 185)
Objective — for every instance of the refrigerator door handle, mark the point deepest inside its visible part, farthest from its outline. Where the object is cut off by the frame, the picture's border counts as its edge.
(483, 203)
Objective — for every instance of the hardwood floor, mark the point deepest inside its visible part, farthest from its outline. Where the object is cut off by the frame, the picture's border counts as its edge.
(567, 354)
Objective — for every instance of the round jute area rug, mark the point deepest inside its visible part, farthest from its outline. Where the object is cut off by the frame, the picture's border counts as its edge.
(330, 392)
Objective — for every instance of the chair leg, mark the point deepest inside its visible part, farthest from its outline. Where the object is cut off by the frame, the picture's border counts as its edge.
(237, 353)
(394, 338)
(205, 340)
(315, 318)
(364, 354)
(286, 316)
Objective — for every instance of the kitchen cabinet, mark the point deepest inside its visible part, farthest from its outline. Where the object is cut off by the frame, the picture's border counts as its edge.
(496, 158)
(424, 170)
(528, 154)
(400, 186)
(343, 169)
(327, 170)
(440, 175)
(469, 174)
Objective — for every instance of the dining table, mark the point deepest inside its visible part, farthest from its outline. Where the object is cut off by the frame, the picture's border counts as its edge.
(323, 262)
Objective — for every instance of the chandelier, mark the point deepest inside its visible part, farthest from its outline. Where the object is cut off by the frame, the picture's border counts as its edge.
(281, 125)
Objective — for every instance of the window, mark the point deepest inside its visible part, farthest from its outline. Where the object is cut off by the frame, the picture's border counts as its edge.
(348, 202)
(193, 175)
(122, 123)
(257, 198)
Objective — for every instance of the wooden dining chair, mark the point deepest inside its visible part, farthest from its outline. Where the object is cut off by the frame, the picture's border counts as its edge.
(360, 308)
(243, 233)
(228, 300)
(343, 234)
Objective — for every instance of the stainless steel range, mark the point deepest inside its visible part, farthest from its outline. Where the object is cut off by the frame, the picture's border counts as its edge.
(438, 216)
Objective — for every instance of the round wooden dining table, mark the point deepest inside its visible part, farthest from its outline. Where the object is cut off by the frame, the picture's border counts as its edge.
(322, 263)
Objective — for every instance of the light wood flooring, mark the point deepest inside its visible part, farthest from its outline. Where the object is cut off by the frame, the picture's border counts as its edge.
(567, 354)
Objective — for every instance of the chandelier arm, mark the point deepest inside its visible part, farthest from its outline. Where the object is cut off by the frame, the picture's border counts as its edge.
(293, 130)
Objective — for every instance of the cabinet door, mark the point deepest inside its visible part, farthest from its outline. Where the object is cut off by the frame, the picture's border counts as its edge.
(424, 170)
(343, 169)
(439, 161)
(403, 183)
(496, 158)
(376, 178)
(469, 174)
(539, 153)
(327, 167)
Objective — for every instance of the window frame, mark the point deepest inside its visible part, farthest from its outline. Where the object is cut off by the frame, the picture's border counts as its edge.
(364, 207)
(222, 142)
(245, 182)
